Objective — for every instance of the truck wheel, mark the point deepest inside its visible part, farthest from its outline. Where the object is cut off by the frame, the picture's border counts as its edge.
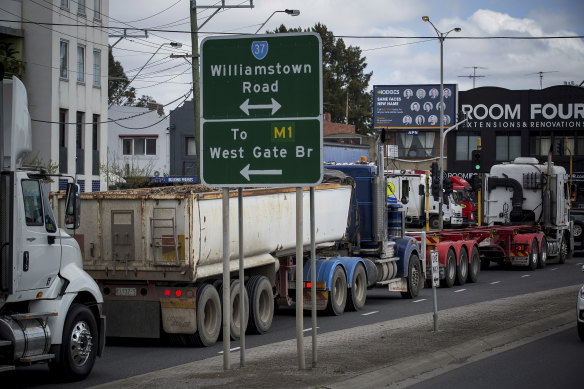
(581, 331)
(236, 320)
(563, 251)
(79, 347)
(475, 265)
(338, 293)
(208, 316)
(261, 304)
(449, 270)
(462, 268)
(434, 223)
(533, 256)
(542, 259)
(357, 294)
(414, 279)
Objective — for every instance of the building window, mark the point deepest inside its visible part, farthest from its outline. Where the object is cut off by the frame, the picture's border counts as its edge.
(540, 144)
(65, 4)
(80, 63)
(139, 146)
(507, 147)
(62, 128)
(96, 67)
(191, 146)
(64, 59)
(79, 130)
(97, 9)
(416, 146)
(95, 132)
(465, 144)
(81, 7)
(127, 146)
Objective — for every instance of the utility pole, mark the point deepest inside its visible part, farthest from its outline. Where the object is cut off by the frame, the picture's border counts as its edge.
(195, 69)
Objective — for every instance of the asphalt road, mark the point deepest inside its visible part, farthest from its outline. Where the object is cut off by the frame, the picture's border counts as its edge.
(552, 362)
(126, 358)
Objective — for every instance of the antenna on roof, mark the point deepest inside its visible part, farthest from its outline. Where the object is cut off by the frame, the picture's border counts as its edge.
(474, 73)
(541, 76)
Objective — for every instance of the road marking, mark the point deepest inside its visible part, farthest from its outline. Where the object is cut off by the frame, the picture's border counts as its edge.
(419, 301)
(495, 282)
(525, 275)
(233, 349)
(459, 290)
(555, 268)
(369, 313)
(310, 329)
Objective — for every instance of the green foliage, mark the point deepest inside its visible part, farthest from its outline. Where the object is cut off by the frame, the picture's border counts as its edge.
(125, 173)
(343, 74)
(118, 92)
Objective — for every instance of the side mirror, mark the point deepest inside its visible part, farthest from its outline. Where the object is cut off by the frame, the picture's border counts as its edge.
(404, 200)
(73, 207)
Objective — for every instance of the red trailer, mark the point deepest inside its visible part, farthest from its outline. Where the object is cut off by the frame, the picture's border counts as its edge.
(463, 252)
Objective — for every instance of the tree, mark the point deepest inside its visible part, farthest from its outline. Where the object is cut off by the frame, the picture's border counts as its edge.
(118, 91)
(343, 75)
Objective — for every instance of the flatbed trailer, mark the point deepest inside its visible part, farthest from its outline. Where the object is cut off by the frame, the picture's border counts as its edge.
(462, 253)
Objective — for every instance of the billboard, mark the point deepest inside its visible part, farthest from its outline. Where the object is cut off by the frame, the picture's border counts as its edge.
(413, 107)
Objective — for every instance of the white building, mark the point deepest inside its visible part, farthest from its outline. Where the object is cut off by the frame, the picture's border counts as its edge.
(138, 141)
(65, 51)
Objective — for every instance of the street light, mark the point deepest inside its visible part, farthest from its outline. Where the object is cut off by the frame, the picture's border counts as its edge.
(441, 37)
(172, 44)
(291, 12)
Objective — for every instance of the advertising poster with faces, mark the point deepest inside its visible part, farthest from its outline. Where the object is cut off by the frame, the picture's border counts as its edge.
(413, 107)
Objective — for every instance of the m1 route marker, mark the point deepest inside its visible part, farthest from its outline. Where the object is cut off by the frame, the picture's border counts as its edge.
(261, 110)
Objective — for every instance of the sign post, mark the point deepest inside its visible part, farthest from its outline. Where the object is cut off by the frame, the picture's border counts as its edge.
(435, 284)
(261, 126)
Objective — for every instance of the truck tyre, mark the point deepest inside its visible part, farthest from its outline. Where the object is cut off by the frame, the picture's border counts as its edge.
(475, 265)
(449, 270)
(414, 279)
(542, 259)
(563, 251)
(338, 293)
(79, 347)
(261, 304)
(434, 223)
(236, 317)
(581, 331)
(462, 268)
(208, 316)
(357, 294)
(533, 256)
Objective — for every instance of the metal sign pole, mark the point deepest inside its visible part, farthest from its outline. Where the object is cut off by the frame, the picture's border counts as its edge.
(313, 274)
(299, 279)
(226, 282)
(242, 313)
(435, 283)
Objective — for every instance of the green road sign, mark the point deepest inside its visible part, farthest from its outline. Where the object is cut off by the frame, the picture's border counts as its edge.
(261, 153)
(261, 106)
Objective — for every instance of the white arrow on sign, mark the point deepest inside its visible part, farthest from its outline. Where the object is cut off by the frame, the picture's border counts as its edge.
(245, 107)
(246, 172)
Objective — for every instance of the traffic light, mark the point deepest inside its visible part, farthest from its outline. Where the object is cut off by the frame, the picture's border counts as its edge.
(475, 183)
(435, 180)
(476, 159)
(447, 185)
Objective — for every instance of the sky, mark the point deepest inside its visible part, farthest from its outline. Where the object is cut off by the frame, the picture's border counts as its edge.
(373, 26)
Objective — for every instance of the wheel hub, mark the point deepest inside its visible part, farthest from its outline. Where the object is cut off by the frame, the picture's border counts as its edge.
(81, 343)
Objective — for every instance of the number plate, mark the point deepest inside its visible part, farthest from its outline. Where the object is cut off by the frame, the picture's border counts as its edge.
(126, 292)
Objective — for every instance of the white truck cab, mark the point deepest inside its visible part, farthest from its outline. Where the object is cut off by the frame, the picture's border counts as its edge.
(50, 309)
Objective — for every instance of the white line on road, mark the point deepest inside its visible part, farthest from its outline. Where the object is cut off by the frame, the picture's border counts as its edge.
(525, 275)
(310, 329)
(555, 268)
(369, 313)
(495, 282)
(459, 290)
(419, 301)
(233, 349)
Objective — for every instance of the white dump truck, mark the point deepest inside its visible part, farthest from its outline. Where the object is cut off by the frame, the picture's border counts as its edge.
(50, 309)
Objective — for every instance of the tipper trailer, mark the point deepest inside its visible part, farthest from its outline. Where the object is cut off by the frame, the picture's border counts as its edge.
(157, 254)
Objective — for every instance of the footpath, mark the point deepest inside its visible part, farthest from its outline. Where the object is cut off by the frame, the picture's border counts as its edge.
(395, 353)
